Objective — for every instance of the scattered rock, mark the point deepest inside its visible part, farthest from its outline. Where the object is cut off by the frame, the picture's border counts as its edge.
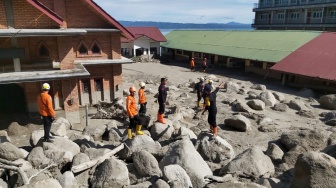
(238, 122)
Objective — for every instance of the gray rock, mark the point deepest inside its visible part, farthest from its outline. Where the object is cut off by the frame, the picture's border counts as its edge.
(306, 93)
(265, 121)
(3, 184)
(233, 184)
(146, 164)
(256, 104)
(58, 153)
(231, 87)
(328, 102)
(183, 131)
(160, 184)
(67, 180)
(307, 113)
(114, 135)
(111, 173)
(215, 150)
(267, 128)
(274, 152)
(4, 136)
(36, 138)
(15, 129)
(268, 98)
(279, 96)
(314, 169)
(94, 153)
(297, 105)
(241, 107)
(271, 183)
(291, 156)
(139, 143)
(82, 178)
(50, 183)
(10, 152)
(259, 87)
(252, 162)
(252, 95)
(64, 121)
(37, 158)
(280, 107)
(183, 153)
(176, 176)
(238, 122)
(309, 139)
(58, 129)
(161, 131)
(145, 184)
(96, 131)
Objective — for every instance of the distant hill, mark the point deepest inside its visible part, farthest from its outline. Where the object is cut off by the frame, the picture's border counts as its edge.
(169, 25)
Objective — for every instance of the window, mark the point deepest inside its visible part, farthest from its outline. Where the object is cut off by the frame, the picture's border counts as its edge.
(197, 54)
(178, 51)
(317, 13)
(332, 14)
(82, 49)
(43, 51)
(263, 16)
(98, 84)
(95, 48)
(185, 52)
(294, 15)
(281, 16)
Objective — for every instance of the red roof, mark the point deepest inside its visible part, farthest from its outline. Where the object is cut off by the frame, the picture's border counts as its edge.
(316, 59)
(151, 32)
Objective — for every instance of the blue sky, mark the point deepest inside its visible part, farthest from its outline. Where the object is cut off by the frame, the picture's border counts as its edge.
(180, 11)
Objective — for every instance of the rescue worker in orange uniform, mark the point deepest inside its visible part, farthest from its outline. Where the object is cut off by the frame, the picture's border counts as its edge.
(46, 110)
(192, 64)
(210, 106)
(132, 113)
(142, 99)
(162, 100)
(204, 64)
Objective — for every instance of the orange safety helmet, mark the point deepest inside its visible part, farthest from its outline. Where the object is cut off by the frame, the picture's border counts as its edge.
(132, 89)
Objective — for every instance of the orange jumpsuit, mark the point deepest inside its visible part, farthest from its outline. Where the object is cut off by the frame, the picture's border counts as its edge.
(192, 64)
(45, 105)
(132, 111)
(142, 102)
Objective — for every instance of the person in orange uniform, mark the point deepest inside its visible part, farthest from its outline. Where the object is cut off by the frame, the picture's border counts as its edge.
(142, 99)
(192, 64)
(132, 113)
(204, 64)
(46, 110)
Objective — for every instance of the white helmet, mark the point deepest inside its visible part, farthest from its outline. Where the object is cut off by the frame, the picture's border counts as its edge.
(46, 86)
(210, 81)
(201, 79)
(142, 84)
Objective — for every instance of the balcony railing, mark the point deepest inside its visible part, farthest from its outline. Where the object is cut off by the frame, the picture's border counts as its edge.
(284, 3)
(329, 21)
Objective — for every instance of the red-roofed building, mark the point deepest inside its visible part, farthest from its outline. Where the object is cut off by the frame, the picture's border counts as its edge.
(146, 39)
(313, 65)
(73, 45)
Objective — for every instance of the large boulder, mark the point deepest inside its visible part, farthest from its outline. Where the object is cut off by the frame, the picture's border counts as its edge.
(309, 139)
(314, 169)
(268, 98)
(15, 129)
(96, 131)
(146, 164)
(62, 120)
(256, 104)
(259, 87)
(161, 132)
(183, 131)
(67, 180)
(36, 138)
(82, 177)
(215, 150)
(279, 96)
(274, 152)
(252, 162)
(37, 158)
(231, 87)
(10, 152)
(328, 102)
(183, 153)
(138, 143)
(176, 176)
(111, 173)
(297, 105)
(234, 184)
(50, 183)
(58, 129)
(4, 136)
(239, 122)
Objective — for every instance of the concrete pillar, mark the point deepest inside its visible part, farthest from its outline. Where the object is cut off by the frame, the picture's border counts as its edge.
(247, 64)
(17, 66)
(283, 79)
(216, 59)
(228, 62)
(264, 65)
(32, 91)
(71, 100)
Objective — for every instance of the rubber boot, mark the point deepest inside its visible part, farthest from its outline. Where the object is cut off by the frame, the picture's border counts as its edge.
(198, 104)
(211, 129)
(214, 132)
(158, 117)
(161, 119)
(129, 133)
(138, 130)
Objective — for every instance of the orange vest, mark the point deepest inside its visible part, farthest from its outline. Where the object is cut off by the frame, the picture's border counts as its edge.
(192, 63)
(131, 106)
(44, 103)
(142, 97)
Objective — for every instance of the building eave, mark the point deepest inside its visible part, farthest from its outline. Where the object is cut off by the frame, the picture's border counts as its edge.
(123, 60)
(41, 32)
